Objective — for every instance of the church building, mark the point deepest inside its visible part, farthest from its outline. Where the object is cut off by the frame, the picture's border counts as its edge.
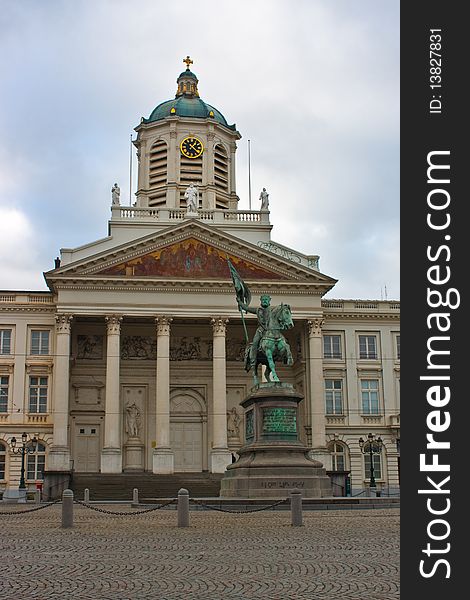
(133, 361)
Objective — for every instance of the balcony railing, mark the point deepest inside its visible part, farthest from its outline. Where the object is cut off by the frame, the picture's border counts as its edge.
(168, 215)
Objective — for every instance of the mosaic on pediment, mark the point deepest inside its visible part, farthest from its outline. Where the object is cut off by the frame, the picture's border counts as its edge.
(189, 258)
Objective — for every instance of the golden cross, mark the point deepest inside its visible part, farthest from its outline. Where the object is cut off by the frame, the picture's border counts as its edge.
(188, 62)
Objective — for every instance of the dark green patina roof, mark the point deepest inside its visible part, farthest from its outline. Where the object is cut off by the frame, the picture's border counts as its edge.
(187, 102)
(187, 107)
(187, 73)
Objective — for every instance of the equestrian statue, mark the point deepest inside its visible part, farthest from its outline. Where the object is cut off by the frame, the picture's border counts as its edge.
(268, 345)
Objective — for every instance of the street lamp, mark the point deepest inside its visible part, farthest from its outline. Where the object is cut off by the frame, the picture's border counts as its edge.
(23, 450)
(371, 446)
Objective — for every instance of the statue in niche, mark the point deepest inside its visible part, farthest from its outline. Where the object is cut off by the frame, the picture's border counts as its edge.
(115, 194)
(132, 420)
(233, 423)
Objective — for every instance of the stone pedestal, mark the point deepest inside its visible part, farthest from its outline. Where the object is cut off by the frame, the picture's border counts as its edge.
(14, 495)
(273, 461)
(219, 459)
(55, 482)
(163, 461)
(111, 460)
(134, 453)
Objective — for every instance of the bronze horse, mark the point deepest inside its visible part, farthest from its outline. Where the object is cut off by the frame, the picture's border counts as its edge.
(273, 346)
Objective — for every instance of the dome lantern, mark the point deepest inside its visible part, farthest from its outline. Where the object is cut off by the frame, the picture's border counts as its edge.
(187, 82)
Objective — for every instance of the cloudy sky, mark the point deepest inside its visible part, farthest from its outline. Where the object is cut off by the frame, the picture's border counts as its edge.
(314, 84)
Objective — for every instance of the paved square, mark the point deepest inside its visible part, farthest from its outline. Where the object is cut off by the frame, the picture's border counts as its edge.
(338, 554)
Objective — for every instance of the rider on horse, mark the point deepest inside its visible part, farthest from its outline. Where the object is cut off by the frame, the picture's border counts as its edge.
(264, 314)
(268, 345)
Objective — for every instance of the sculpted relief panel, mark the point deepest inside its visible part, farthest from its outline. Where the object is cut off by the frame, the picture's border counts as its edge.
(136, 347)
(90, 347)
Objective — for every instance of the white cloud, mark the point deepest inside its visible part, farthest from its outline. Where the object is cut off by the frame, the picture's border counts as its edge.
(19, 260)
(313, 85)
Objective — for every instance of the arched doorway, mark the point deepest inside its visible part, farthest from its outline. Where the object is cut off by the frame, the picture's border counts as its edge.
(187, 430)
(339, 474)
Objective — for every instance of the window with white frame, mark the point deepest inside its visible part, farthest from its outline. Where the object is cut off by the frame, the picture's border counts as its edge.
(39, 342)
(368, 346)
(4, 388)
(376, 462)
(3, 457)
(338, 456)
(397, 346)
(333, 396)
(370, 396)
(332, 346)
(38, 394)
(36, 463)
(5, 341)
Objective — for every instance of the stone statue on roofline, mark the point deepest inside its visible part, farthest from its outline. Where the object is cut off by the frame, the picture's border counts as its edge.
(264, 197)
(115, 194)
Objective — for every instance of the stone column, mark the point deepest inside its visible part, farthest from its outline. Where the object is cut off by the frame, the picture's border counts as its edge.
(111, 455)
(220, 455)
(59, 456)
(163, 457)
(316, 392)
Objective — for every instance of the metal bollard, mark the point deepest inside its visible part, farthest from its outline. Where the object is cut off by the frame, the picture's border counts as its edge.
(67, 509)
(296, 507)
(86, 496)
(37, 494)
(183, 508)
(135, 496)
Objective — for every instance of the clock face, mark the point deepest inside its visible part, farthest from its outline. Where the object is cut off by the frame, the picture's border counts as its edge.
(191, 147)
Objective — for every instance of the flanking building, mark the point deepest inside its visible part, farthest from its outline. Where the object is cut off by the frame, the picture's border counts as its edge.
(134, 360)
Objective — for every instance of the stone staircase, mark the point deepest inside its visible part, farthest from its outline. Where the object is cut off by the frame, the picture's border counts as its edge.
(105, 486)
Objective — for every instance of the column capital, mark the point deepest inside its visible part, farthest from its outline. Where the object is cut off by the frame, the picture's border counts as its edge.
(63, 323)
(163, 324)
(219, 325)
(314, 326)
(113, 323)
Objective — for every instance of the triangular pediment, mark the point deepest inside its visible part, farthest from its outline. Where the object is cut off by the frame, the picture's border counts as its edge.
(189, 258)
(191, 251)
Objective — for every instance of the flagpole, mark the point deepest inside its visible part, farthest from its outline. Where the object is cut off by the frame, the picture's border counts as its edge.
(244, 324)
(130, 172)
(249, 175)
(245, 293)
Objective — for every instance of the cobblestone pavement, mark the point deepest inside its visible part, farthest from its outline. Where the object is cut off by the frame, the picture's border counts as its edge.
(339, 554)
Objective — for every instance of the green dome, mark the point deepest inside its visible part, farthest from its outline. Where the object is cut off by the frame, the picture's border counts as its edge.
(187, 73)
(187, 107)
(187, 102)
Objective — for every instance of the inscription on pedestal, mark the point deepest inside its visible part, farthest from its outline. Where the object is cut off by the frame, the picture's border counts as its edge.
(280, 420)
(282, 484)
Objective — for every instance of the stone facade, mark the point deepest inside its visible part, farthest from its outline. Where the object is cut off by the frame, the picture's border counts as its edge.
(134, 359)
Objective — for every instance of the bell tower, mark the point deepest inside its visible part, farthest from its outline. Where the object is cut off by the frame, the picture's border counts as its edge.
(184, 141)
